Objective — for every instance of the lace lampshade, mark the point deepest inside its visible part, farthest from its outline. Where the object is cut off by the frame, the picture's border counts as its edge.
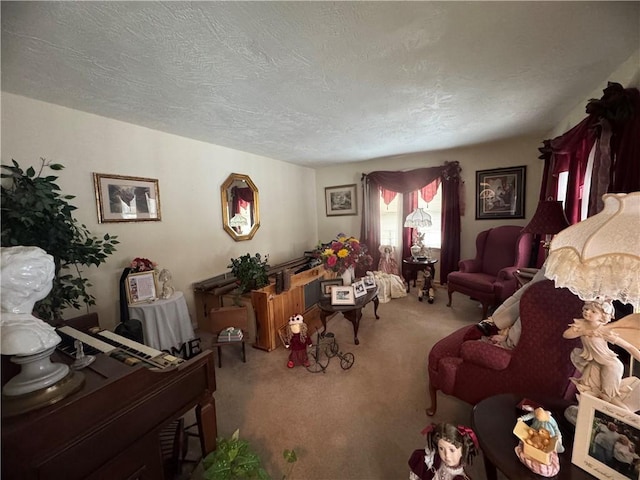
(238, 221)
(418, 218)
(599, 258)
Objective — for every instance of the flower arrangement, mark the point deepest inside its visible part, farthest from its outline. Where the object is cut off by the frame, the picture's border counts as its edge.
(342, 253)
(140, 264)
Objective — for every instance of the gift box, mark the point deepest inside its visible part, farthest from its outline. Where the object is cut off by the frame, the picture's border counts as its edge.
(230, 334)
(543, 455)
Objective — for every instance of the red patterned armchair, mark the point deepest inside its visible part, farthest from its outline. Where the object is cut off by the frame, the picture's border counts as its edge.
(473, 370)
(488, 278)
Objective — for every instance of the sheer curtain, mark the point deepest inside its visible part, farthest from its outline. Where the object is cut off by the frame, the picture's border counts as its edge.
(375, 183)
(613, 128)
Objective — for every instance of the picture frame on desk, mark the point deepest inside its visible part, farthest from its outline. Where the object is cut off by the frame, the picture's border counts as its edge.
(359, 289)
(342, 295)
(141, 287)
(594, 415)
(369, 282)
(327, 285)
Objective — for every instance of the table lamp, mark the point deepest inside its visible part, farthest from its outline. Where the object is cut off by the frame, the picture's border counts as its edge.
(238, 221)
(598, 259)
(417, 218)
(548, 220)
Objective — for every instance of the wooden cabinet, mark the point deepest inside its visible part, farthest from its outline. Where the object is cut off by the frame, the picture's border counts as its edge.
(273, 310)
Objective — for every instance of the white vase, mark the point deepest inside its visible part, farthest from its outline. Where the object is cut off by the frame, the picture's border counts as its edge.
(348, 276)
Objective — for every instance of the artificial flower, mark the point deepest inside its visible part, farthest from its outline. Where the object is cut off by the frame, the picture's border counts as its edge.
(342, 253)
(140, 264)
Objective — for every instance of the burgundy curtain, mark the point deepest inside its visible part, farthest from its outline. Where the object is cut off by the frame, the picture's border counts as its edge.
(613, 126)
(406, 182)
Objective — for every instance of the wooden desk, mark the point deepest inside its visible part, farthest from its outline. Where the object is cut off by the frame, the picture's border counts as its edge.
(493, 420)
(353, 313)
(411, 267)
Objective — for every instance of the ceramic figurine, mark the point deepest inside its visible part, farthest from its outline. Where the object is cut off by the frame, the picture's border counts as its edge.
(388, 263)
(167, 287)
(455, 447)
(297, 340)
(542, 419)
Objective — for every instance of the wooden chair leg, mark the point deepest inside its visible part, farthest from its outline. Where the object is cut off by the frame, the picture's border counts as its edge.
(244, 355)
(431, 410)
(485, 310)
(450, 292)
(219, 357)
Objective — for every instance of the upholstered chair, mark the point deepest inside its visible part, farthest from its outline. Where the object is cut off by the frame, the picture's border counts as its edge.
(472, 369)
(488, 277)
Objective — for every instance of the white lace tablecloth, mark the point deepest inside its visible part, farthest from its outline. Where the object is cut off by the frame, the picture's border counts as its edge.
(165, 323)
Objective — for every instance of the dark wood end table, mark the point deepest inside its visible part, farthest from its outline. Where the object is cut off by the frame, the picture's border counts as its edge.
(493, 420)
(411, 267)
(353, 313)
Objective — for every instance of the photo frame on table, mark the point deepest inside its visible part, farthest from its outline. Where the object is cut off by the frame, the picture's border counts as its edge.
(126, 199)
(141, 287)
(500, 193)
(359, 289)
(369, 282)
(342, 295)
(341, 200)
(327, 285)
(594, 415)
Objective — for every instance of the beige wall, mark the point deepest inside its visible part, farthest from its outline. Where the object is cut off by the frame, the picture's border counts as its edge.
(514, 152)
(189, 240)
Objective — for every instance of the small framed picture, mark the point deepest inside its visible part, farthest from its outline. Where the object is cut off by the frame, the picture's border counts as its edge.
(596, 421)
(359, 289)
(342, 295)
(369, 282)
(327, 285)
(500, 193)
(141, 287)
(126, 199)
(341, 200)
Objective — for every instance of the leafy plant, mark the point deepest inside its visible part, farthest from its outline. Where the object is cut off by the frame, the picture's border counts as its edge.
(251, 272)
(35, 213)
(233, 459)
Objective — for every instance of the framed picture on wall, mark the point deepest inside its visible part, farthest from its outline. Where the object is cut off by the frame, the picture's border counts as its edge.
(500, 193)
(341, 200)
(126, 199)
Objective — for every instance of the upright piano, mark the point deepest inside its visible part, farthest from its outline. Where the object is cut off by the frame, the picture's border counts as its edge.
(110, 428)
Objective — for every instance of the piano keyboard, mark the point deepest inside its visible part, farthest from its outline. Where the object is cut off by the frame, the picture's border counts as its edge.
(116, 346)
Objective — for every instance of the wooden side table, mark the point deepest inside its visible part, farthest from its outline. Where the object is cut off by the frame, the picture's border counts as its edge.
(411, 267)
(353, 313)
(493, 420)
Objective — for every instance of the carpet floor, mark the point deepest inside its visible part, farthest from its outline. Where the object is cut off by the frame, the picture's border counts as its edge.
(359, 423)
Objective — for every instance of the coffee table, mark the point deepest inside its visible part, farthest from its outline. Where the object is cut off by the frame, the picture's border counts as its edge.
(353, 313)
(493, 420)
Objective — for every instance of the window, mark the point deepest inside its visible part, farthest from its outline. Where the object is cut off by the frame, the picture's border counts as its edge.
(392, 222)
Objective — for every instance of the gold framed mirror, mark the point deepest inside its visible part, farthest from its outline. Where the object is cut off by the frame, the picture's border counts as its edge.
(240, 207)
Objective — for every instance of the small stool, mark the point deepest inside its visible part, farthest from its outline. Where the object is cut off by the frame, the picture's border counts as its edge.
(219, 346)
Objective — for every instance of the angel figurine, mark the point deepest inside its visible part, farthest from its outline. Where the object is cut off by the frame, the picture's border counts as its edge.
(167, 287)
(601, 369)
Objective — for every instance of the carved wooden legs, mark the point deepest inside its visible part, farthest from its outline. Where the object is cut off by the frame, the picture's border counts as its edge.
(431, 410)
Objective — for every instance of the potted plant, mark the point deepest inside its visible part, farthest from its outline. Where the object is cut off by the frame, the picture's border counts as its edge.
(233, 459)
(250, 272)
(35, 213)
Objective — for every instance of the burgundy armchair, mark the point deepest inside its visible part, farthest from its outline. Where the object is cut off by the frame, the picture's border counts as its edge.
(472, 369)
(489, 278)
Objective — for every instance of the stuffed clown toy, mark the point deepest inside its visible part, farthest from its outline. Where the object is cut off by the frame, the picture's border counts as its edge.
(297, 340)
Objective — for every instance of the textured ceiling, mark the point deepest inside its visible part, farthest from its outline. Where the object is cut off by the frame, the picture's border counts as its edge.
(314, 83)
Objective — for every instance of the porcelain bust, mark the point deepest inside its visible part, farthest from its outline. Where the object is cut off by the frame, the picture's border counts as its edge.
(26, 277)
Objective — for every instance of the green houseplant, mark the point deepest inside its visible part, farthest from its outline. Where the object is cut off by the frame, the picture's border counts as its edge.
(250, 271)
(36, 213)
(233, 459)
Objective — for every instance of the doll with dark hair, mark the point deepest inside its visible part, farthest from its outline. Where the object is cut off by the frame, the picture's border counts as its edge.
(449, 449)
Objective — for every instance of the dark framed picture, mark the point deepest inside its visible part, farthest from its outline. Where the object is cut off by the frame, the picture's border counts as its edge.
(341, 200)
(126, 199)
(500, 193)
(599, 425)
(142, 287)
(342, 295)
(327, 285)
